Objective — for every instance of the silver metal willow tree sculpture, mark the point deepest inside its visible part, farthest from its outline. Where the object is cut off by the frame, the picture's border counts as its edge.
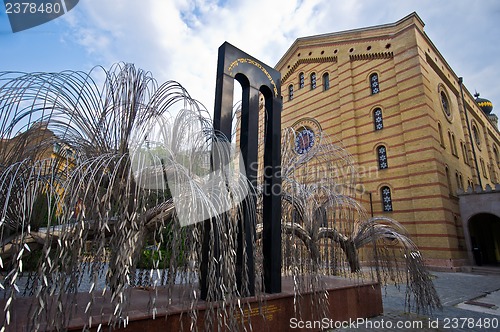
(86, 205)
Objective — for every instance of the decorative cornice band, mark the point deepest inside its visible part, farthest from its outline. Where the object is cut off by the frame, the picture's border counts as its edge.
(307, 60)
(371, 56)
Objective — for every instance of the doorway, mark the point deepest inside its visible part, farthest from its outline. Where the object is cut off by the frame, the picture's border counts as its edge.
(484, 231)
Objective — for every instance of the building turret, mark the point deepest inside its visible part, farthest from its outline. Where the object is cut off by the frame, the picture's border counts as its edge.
(486, 106)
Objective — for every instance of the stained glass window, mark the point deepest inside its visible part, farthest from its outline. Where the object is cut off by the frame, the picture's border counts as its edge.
(445, 103)
(386, 199)
(374, 84)
(313, 81)
(290, 92)
(304, 141)
(301, 80)
(377, 119)
(382, 157)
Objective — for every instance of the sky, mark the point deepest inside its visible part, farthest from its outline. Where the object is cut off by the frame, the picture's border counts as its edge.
(178, 39)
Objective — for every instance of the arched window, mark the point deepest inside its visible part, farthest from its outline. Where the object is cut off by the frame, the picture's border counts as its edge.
(451, 144)
(374, 85)
(382, 157)
(377, 119)
(490, 171)
(56, 148)
(301, 80)
(459, 182)
(326, 81)
(385, 193)
(290, 92)
(495, 154)
(313, 81)
(464, 153)
(475, 133)
(441, 139)
(483, 167)
(454, 144)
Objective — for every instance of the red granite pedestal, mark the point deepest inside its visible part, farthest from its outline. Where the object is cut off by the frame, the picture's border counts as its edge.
(347, 300)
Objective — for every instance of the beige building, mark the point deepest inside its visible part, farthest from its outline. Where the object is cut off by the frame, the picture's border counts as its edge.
(392, 99)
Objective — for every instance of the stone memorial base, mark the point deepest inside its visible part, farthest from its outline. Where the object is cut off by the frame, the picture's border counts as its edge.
(347, 300)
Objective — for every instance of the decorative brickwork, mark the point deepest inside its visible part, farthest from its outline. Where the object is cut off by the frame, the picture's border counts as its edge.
(413, 77)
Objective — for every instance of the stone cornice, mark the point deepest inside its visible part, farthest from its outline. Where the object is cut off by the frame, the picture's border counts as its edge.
(307, 60)
(371, 56)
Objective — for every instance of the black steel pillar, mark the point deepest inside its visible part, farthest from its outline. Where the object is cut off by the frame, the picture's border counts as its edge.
(271, 233)
(254, 77)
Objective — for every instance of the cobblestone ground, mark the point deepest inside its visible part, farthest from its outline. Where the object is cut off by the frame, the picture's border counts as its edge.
(453, 289)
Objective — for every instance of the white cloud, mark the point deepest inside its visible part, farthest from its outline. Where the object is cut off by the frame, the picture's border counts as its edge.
(178, 39)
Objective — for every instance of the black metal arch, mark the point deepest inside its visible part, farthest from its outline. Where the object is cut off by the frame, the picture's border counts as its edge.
(254, 77)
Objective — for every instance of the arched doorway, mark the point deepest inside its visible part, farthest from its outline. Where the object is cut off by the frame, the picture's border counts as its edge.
(484, 229)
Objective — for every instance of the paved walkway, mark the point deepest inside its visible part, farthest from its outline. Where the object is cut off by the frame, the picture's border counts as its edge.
(471, 302)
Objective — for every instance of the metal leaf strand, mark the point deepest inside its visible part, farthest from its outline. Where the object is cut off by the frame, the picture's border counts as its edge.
(103, 192)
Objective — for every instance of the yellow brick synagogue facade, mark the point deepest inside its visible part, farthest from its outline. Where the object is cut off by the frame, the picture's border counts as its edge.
(388, 94)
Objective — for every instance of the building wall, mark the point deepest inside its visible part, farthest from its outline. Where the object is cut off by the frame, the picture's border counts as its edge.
(425, 171)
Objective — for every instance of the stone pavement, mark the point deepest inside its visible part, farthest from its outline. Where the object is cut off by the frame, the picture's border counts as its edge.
(471, 302)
